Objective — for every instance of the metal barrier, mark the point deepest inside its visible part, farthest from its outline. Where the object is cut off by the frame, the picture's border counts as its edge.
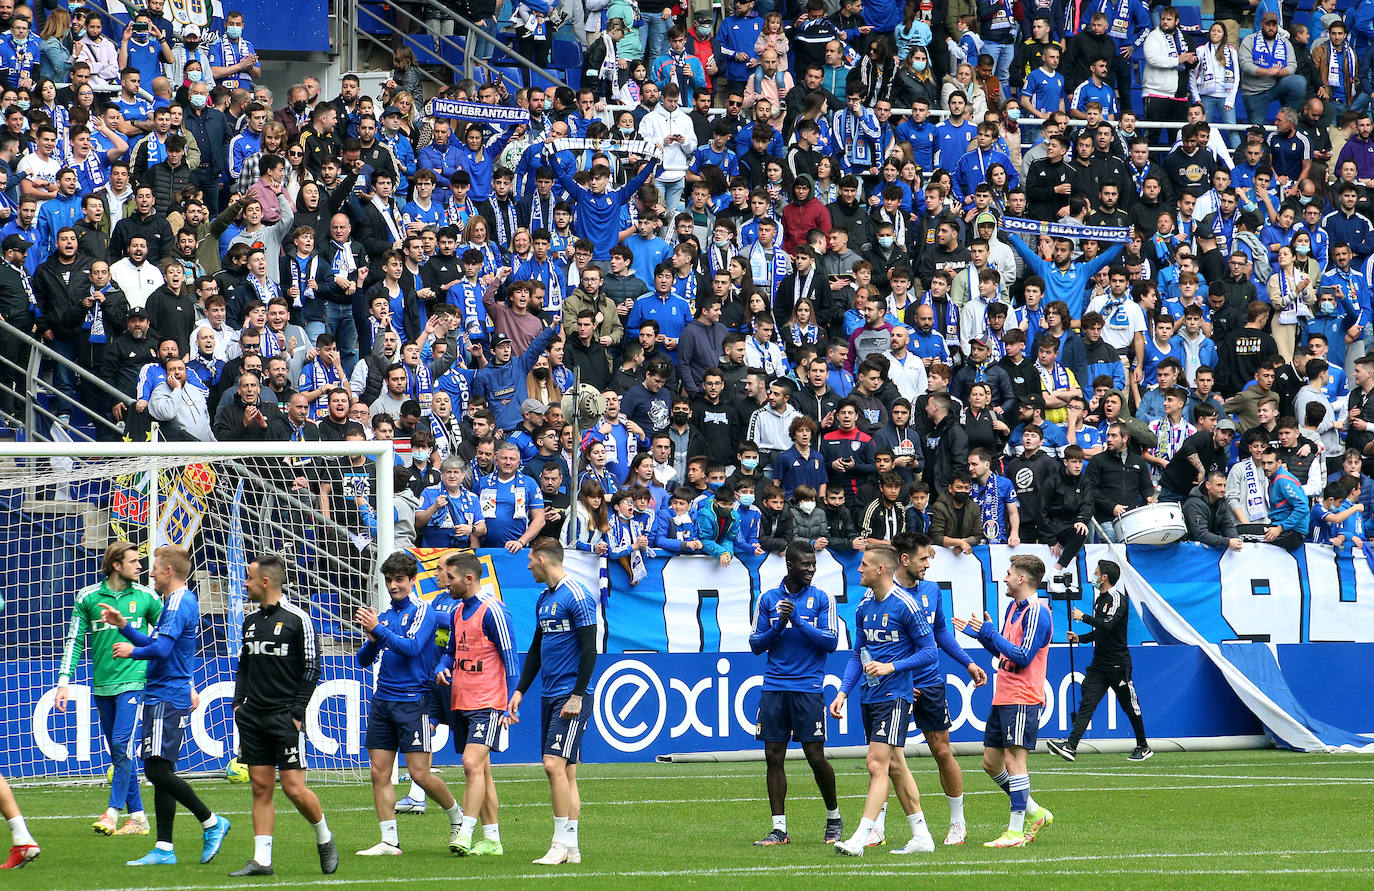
(35, 386)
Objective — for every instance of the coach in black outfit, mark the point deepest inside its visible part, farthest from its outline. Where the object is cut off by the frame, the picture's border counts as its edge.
(1111, 665)
(279, 667)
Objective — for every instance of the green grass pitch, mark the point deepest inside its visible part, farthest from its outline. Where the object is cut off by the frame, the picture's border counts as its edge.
(1180, 820)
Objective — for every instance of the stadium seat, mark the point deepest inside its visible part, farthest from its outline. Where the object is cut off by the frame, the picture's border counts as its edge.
(573, 77)
(512, 74)
(369, 25)
(565, 54)
(425, 47)
(1189, 17)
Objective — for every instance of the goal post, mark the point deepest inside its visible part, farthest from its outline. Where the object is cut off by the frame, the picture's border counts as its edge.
(326, 507)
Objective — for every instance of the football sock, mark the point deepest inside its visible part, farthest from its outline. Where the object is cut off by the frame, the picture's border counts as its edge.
(560, 829)
(492, 832)
(956, 808)
(918, 823)
(163, 846)
(139, 816)
(1002, 781)
(210, 821)
(455, 813)
(416, 793)
(19, 831)
(865, 829)
(881, 820)
(112, 813)
(833, 814)
(469, 823)
(1031, 806)
(389, 833)
(571, 831)
(322, 833)
(262, 849)
(1020, 791)
(780, 822)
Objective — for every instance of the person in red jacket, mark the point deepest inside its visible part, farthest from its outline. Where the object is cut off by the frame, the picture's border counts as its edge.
(802, 214)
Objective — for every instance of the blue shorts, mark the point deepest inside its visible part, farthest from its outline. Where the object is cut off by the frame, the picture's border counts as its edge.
(931, 709)
(164, 727)
(563, 736)
(785, 715)
(439, 701)
(885, 722)
(399, 726)
(479, 726)
(1012, 725)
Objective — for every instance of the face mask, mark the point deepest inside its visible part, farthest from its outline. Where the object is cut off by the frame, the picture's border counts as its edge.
(917, 65)
(22, 103)
(749, 463)
(198, 100)
(193, 76)
(806, 507)
(298, 107)
(1304, 249)
(681, 417)
(1305, 199)
(79, 33)
(747, 499)
(713, 486)
(1328, 307)
(1014, 113)
(627, 131)
(704, 31)
(886, 240)
(959, 500)
(681, 519)
(234, 32)
(722, 240)
(541, 374)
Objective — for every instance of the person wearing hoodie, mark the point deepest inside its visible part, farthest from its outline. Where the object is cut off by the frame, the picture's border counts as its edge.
(701, 344)
(802, 214)
(172, 307)
(670, 127)
(502, 381)
(1208, 516)
(849, 214)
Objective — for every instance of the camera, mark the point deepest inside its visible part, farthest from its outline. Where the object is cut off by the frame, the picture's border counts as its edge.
(1061, 583)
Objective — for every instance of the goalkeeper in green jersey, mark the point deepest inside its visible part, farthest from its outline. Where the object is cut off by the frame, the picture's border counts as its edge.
(116, 683)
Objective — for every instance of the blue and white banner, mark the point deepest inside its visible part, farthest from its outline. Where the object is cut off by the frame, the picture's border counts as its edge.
(504, 115)
(1065, 230)
(1266, 631)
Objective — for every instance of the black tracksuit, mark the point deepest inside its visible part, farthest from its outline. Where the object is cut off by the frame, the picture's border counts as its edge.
(279, 667)
(1111, 665)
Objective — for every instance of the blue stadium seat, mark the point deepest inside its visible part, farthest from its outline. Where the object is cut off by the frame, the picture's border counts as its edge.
(425, 47)
(573, 77)
(370, 25)
(513, 75)
(565, 54)
(1189, 17)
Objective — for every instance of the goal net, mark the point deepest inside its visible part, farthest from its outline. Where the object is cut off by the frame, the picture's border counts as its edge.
(62, 504)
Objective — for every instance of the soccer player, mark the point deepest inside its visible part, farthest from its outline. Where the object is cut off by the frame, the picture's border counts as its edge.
(563, 654)
(1111, 665)
(23, 848)
(894, 641)
(482, 665)
(796, 626)
(930, 708)
(117, 683)
(166, 711)
(279, 668)
(1022, 650)
(399, 720)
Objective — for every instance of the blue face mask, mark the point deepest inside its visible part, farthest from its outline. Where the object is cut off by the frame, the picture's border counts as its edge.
(1328, 307)
(233, 32)
(193, 76)
(22, 103)
(1305, 199)
(749, 463)
(714, 486)
(198, 99)
(746, 499)
(918, 65)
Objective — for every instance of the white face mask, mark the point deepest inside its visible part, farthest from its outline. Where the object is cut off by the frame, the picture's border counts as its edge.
(681, 519)
(806, 507)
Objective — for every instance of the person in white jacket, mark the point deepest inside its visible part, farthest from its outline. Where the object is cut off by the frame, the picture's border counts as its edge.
(1164, 81)
(670, 127)
(1215, 80)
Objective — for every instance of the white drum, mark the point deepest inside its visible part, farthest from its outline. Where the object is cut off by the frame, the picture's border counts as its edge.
(1153, 524)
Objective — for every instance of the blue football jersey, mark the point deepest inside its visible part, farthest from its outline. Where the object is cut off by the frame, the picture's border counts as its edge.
(560, 611)
(170, 664)
(894, 630)
(796, 649)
